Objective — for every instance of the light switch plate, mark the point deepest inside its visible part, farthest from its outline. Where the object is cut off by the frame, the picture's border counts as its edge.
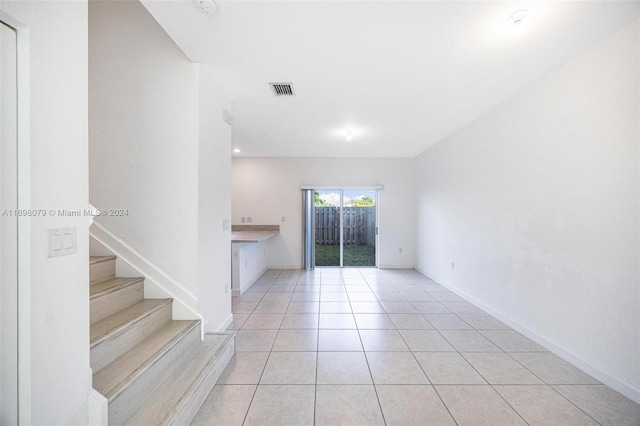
(61, 241)
(225, 225)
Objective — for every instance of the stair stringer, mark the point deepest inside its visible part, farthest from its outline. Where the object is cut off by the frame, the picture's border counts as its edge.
(157, 283)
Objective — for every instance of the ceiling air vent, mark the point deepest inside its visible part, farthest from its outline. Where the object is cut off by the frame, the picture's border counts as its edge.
(282, 89)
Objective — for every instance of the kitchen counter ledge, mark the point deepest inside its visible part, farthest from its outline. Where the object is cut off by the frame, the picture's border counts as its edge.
(253, 233)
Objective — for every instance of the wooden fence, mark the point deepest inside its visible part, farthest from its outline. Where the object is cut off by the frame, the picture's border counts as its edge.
(359, 225)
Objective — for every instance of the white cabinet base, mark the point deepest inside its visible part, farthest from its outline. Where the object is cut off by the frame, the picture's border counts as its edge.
(248, 263)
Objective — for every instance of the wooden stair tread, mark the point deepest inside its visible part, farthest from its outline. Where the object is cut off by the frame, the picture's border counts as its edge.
(97, 259)
(180, 385)
(111, 285)
(120, 321)
(113, 378)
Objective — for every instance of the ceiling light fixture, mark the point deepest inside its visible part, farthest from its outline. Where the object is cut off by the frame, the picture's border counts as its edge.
(349, 136)
(517, 22)
(236, 150)
(207, 6)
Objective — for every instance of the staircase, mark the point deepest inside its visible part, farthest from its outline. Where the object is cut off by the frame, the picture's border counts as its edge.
(153, 370)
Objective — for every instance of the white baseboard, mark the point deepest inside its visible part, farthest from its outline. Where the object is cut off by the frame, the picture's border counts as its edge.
(379, 267)
(157, 283)
(251, 281)
(225, 324)
(615, 383)
(395, 267)
(284, 267)
(97, 409)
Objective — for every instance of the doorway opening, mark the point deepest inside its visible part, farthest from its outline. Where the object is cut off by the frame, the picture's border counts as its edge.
(345, 227)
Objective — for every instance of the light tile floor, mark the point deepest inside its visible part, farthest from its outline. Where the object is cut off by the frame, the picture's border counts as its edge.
(374, 347)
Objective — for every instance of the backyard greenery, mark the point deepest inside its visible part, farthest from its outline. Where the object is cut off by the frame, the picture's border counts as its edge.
(365, 201)
(354, 255)
(319, 201)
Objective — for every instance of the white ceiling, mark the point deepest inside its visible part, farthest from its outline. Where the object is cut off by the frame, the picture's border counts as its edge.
(401, 75)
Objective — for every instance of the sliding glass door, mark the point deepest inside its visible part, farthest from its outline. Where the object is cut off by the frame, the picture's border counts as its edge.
(345, 227)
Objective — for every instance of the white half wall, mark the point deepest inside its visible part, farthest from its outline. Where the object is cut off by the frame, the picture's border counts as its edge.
(214, 206)
(57, 377)
(532, 210)
(266, 189)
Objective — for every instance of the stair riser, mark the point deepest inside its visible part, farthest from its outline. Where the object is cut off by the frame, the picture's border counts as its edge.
(123, 405)
(180, 396)
(107, 351)
(109, 304)
(187, 412)
(102, 271)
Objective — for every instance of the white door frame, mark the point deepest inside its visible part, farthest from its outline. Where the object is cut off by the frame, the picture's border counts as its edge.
(24, 222)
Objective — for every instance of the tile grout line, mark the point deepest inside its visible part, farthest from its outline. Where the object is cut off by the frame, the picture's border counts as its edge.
(260, 378)
(480, 374)
(315, 387)
(427, 376)
(550, 386)
(366, 358)
(572, 403)
(459, 353)
(484, 378)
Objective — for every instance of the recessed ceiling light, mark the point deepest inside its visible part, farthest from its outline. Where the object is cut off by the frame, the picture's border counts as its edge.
(517, 22)
(236, 150)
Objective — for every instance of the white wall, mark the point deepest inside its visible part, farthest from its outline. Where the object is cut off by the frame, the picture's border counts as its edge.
(268, 188)
(143, 125)
(536, 202)
(214, 206)
(60, 379)
(160, 149)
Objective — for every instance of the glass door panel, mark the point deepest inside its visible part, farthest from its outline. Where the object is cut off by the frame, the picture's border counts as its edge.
(327, 227)
(359, 229)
